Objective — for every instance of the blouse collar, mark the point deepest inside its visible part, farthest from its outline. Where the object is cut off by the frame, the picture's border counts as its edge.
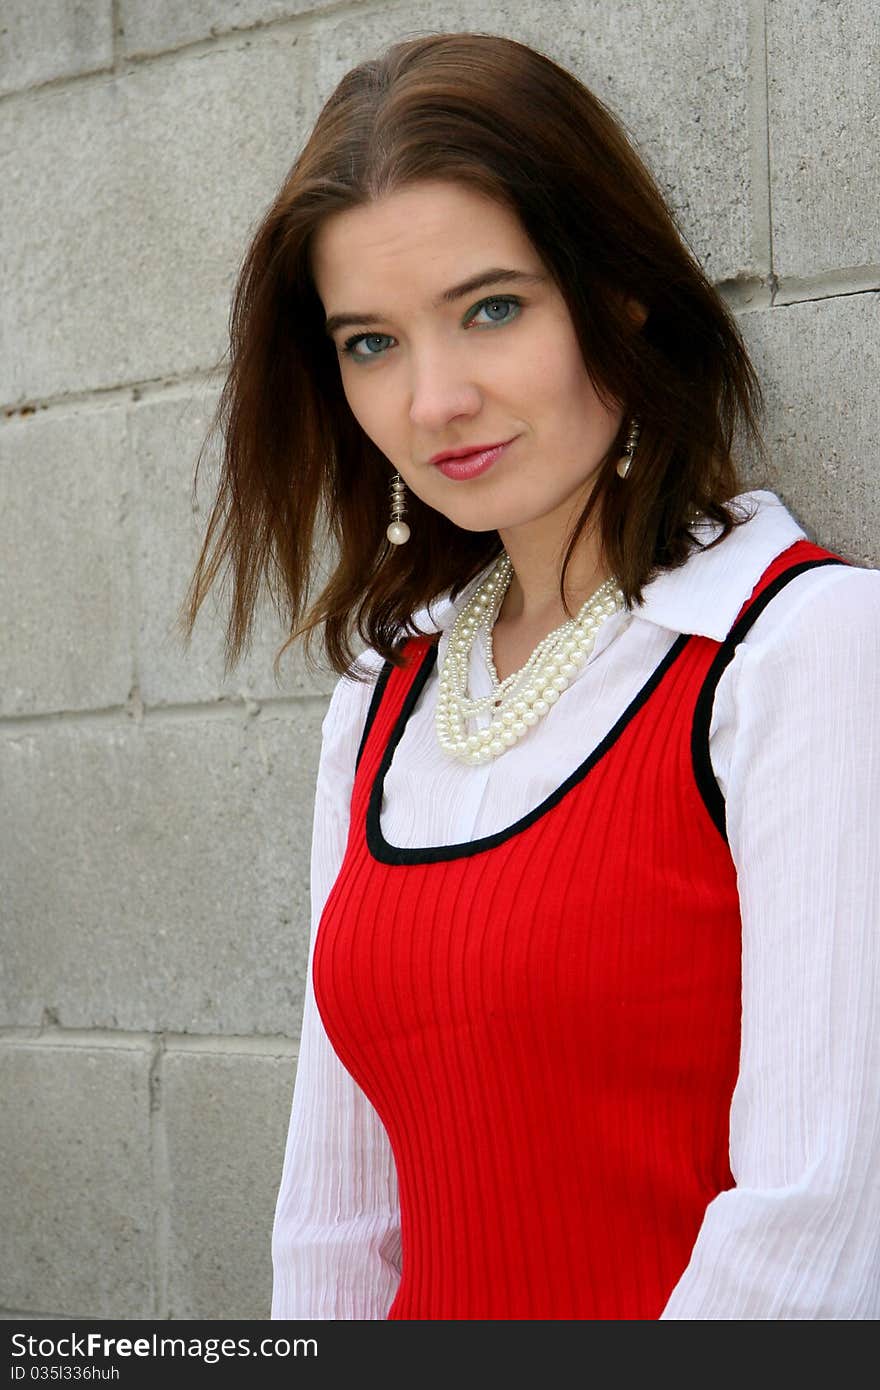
(705, 594)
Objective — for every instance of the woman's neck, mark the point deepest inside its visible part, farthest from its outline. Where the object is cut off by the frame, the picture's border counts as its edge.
(533, 598)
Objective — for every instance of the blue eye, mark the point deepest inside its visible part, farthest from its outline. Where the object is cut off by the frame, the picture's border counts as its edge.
(351, 343)
(499, 308)
(507, 303)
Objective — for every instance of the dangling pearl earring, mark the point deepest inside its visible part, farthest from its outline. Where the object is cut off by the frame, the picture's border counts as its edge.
(398, 531)
(629, 448)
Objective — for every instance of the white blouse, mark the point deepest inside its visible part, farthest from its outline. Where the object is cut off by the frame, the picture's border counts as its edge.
(795, 747)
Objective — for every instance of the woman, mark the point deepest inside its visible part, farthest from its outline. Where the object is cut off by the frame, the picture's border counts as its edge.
(590, 1026)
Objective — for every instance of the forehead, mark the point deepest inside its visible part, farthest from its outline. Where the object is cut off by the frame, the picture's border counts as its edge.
(431, 232)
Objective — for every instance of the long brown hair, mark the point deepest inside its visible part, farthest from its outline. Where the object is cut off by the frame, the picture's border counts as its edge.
(298, 474)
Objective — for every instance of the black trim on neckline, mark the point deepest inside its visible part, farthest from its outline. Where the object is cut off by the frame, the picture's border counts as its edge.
(704, 773)
(378, 692)
(386, 853)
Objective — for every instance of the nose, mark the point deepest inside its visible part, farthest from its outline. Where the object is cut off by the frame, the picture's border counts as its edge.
(441, 389)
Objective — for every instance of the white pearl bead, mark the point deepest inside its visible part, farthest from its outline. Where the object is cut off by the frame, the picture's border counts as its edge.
(398, 533)
(519, 701)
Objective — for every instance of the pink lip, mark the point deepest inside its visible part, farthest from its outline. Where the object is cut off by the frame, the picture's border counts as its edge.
(462, 463)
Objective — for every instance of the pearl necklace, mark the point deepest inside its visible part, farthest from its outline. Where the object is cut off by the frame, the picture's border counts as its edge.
(525, 696)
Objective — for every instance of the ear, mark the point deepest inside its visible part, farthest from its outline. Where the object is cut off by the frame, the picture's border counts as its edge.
(636, 311)
(632, 308)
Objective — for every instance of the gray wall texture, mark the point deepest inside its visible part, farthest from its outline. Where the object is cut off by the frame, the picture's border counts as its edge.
(155, 819)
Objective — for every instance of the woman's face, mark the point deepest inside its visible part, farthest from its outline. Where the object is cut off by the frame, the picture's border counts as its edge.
(455, 335)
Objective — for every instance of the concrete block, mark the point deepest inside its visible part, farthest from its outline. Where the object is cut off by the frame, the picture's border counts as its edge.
(166, 434)
(819, 363)
(76, 1190)
(127, 209)
(67, 641)
(165, 24)
(53, 39)
(676, 74)
(823, 95)
(225, 1116)
(156, 872)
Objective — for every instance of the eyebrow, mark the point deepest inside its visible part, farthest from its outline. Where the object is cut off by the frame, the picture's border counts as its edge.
(497, 275)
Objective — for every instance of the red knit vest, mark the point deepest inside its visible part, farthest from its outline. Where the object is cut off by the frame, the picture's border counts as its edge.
(547, 1019)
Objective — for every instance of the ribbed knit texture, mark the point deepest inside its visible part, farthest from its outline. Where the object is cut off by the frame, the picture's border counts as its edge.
(548, 1026)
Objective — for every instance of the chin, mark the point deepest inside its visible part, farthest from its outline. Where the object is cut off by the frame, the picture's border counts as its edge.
(470, 524)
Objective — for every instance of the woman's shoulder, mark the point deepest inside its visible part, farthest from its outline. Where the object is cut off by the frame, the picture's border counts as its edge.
(351, 697)
(816, 644)
(343, 724)
(813, 586)
(830, 602)
(353, 691)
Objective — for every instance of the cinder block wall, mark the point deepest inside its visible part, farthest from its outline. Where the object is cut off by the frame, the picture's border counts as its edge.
(155, 819)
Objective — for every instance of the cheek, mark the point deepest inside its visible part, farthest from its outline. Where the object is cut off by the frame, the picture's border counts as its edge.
(562, 392)
(575, 380)
(551, 362)
(557, 381)
(365, 401)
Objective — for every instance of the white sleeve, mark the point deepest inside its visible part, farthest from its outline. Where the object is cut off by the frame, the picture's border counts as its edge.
(336, 1235)
(798, 1237)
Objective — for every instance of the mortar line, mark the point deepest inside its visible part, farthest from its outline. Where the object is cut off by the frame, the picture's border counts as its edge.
(109, 397)
(160, 1171)
(142, 1040)
(122, 63)
(772, 279)
(239, 708)
(128, 505)
(116, 47)
(23, 1315)
(794, 289)
(759, 142)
